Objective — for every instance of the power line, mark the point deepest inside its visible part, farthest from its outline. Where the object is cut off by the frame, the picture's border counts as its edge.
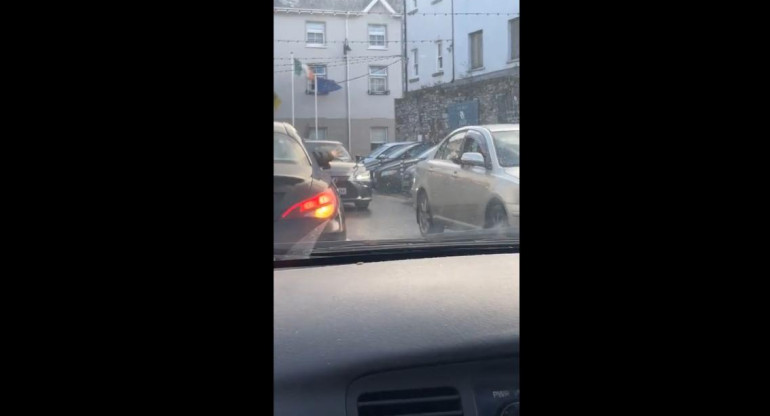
(334, 57)
(352, 13)
(352, 61)
(347, 80)
(360, 41)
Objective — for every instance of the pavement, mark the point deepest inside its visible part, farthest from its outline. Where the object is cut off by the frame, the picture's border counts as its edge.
(389, 216)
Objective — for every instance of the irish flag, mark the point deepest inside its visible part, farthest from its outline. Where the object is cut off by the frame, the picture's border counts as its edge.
(299, 68)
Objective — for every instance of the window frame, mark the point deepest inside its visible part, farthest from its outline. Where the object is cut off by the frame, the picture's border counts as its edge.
(480, 34)
(439, 56)
(308, 31)
(415, 63)
(371, 138)
(311, 130)
(372, 76)
(384, 27)
(514, 41)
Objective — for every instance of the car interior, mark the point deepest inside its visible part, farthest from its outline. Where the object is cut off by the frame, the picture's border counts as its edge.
(426, 336)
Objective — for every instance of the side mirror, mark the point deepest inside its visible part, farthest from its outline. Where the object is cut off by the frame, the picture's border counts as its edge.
(472, 159)
(323, 158)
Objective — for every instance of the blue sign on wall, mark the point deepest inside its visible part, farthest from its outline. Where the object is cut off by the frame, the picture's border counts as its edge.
(463, 114)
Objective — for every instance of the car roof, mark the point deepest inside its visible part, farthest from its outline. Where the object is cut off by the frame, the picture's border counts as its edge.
(323, 142)
(500, 127)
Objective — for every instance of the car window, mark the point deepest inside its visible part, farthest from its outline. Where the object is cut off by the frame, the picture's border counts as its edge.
(416, 150)
(391, 150)
(337, 150)
(507, 147)
(287, 150)
(473, 143)
(452, 148)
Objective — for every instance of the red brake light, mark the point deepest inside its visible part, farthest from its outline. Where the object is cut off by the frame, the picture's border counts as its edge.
(320, 206)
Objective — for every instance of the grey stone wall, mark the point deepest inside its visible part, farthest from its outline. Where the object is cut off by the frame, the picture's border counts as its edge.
(425, 111)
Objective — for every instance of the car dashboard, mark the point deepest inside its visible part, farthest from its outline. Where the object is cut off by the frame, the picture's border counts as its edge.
(430, 336)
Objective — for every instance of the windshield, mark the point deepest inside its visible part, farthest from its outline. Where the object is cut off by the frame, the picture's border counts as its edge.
(421, 102)
(337, 151)
(507, 147)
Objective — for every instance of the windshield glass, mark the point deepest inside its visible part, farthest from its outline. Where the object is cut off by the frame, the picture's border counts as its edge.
(420, 102)
(337, 150)
(507, 147)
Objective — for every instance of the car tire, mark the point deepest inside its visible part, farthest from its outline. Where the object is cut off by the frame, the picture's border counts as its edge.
(496, 217)
(362, 204)
(424, 217)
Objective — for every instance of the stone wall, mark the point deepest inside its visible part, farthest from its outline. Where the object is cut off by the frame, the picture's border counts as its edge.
(424, 112)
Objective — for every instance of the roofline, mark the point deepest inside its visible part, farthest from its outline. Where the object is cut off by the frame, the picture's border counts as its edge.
(293, 10)
(384, 3)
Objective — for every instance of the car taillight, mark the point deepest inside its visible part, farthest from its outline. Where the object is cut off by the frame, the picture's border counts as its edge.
(320, 206)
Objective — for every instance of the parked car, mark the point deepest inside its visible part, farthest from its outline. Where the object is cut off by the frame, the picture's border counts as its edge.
(388, 177)
(408, 178)
(353, 180)
(472, 181)
(306, 205)
(382, 153)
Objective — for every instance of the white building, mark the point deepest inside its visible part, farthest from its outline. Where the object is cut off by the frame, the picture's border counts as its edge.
(447, 40)
(361, 114)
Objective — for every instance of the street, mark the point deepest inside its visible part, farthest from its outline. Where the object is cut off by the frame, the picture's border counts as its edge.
(388, 217)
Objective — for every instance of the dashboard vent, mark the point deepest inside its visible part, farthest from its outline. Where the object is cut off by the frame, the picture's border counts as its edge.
(439, 401)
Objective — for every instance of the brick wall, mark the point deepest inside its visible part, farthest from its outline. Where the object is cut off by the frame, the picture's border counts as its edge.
(425, 111)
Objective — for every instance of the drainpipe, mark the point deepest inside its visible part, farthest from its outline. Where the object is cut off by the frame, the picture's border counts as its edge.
(347, 70)
(404, 63)
(453, 41)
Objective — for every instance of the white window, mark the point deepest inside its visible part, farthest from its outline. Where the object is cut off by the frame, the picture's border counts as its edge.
(513, 29)
(316, 33)
(378, 136)
(321, 133)
(414, 4)
(378, 80)
(476, 41)
(378, 36)
(320, 72)
(415, 67)
(439, 57)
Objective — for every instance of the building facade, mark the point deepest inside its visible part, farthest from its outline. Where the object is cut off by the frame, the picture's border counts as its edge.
(461, 65)
(357, 44)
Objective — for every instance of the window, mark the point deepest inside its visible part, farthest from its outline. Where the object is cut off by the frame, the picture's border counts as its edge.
(321, 133)
(378, 80)
(316, 33)
(287, 150)
(439, 57)
(320, 72)
(378, 136)
(377, 36)
(477, 49)
(414, 4)
(415, 68)
(513, 29)
(450, 149)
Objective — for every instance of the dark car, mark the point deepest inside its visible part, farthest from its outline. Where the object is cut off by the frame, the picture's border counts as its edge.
(388, 176)
(306, 205)
(352, 179)
(383, 153)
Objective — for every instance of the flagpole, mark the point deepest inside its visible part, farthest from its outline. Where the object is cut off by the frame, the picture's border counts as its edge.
(292, 89)
(315, 80)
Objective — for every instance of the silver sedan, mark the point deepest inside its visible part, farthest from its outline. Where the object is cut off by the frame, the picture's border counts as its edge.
(472, 181)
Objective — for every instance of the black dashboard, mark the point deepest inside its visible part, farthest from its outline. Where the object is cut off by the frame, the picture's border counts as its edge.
(433, 336)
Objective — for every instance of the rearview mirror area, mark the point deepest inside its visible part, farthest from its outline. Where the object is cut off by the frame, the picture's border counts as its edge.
(472, 159)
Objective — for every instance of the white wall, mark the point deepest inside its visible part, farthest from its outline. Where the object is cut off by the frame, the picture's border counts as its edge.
(495, 38)
(430, 27)
(495, 34)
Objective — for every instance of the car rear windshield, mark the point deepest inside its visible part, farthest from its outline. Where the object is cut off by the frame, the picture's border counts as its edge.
(337, 150)
(287, 150)
(507, 147)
